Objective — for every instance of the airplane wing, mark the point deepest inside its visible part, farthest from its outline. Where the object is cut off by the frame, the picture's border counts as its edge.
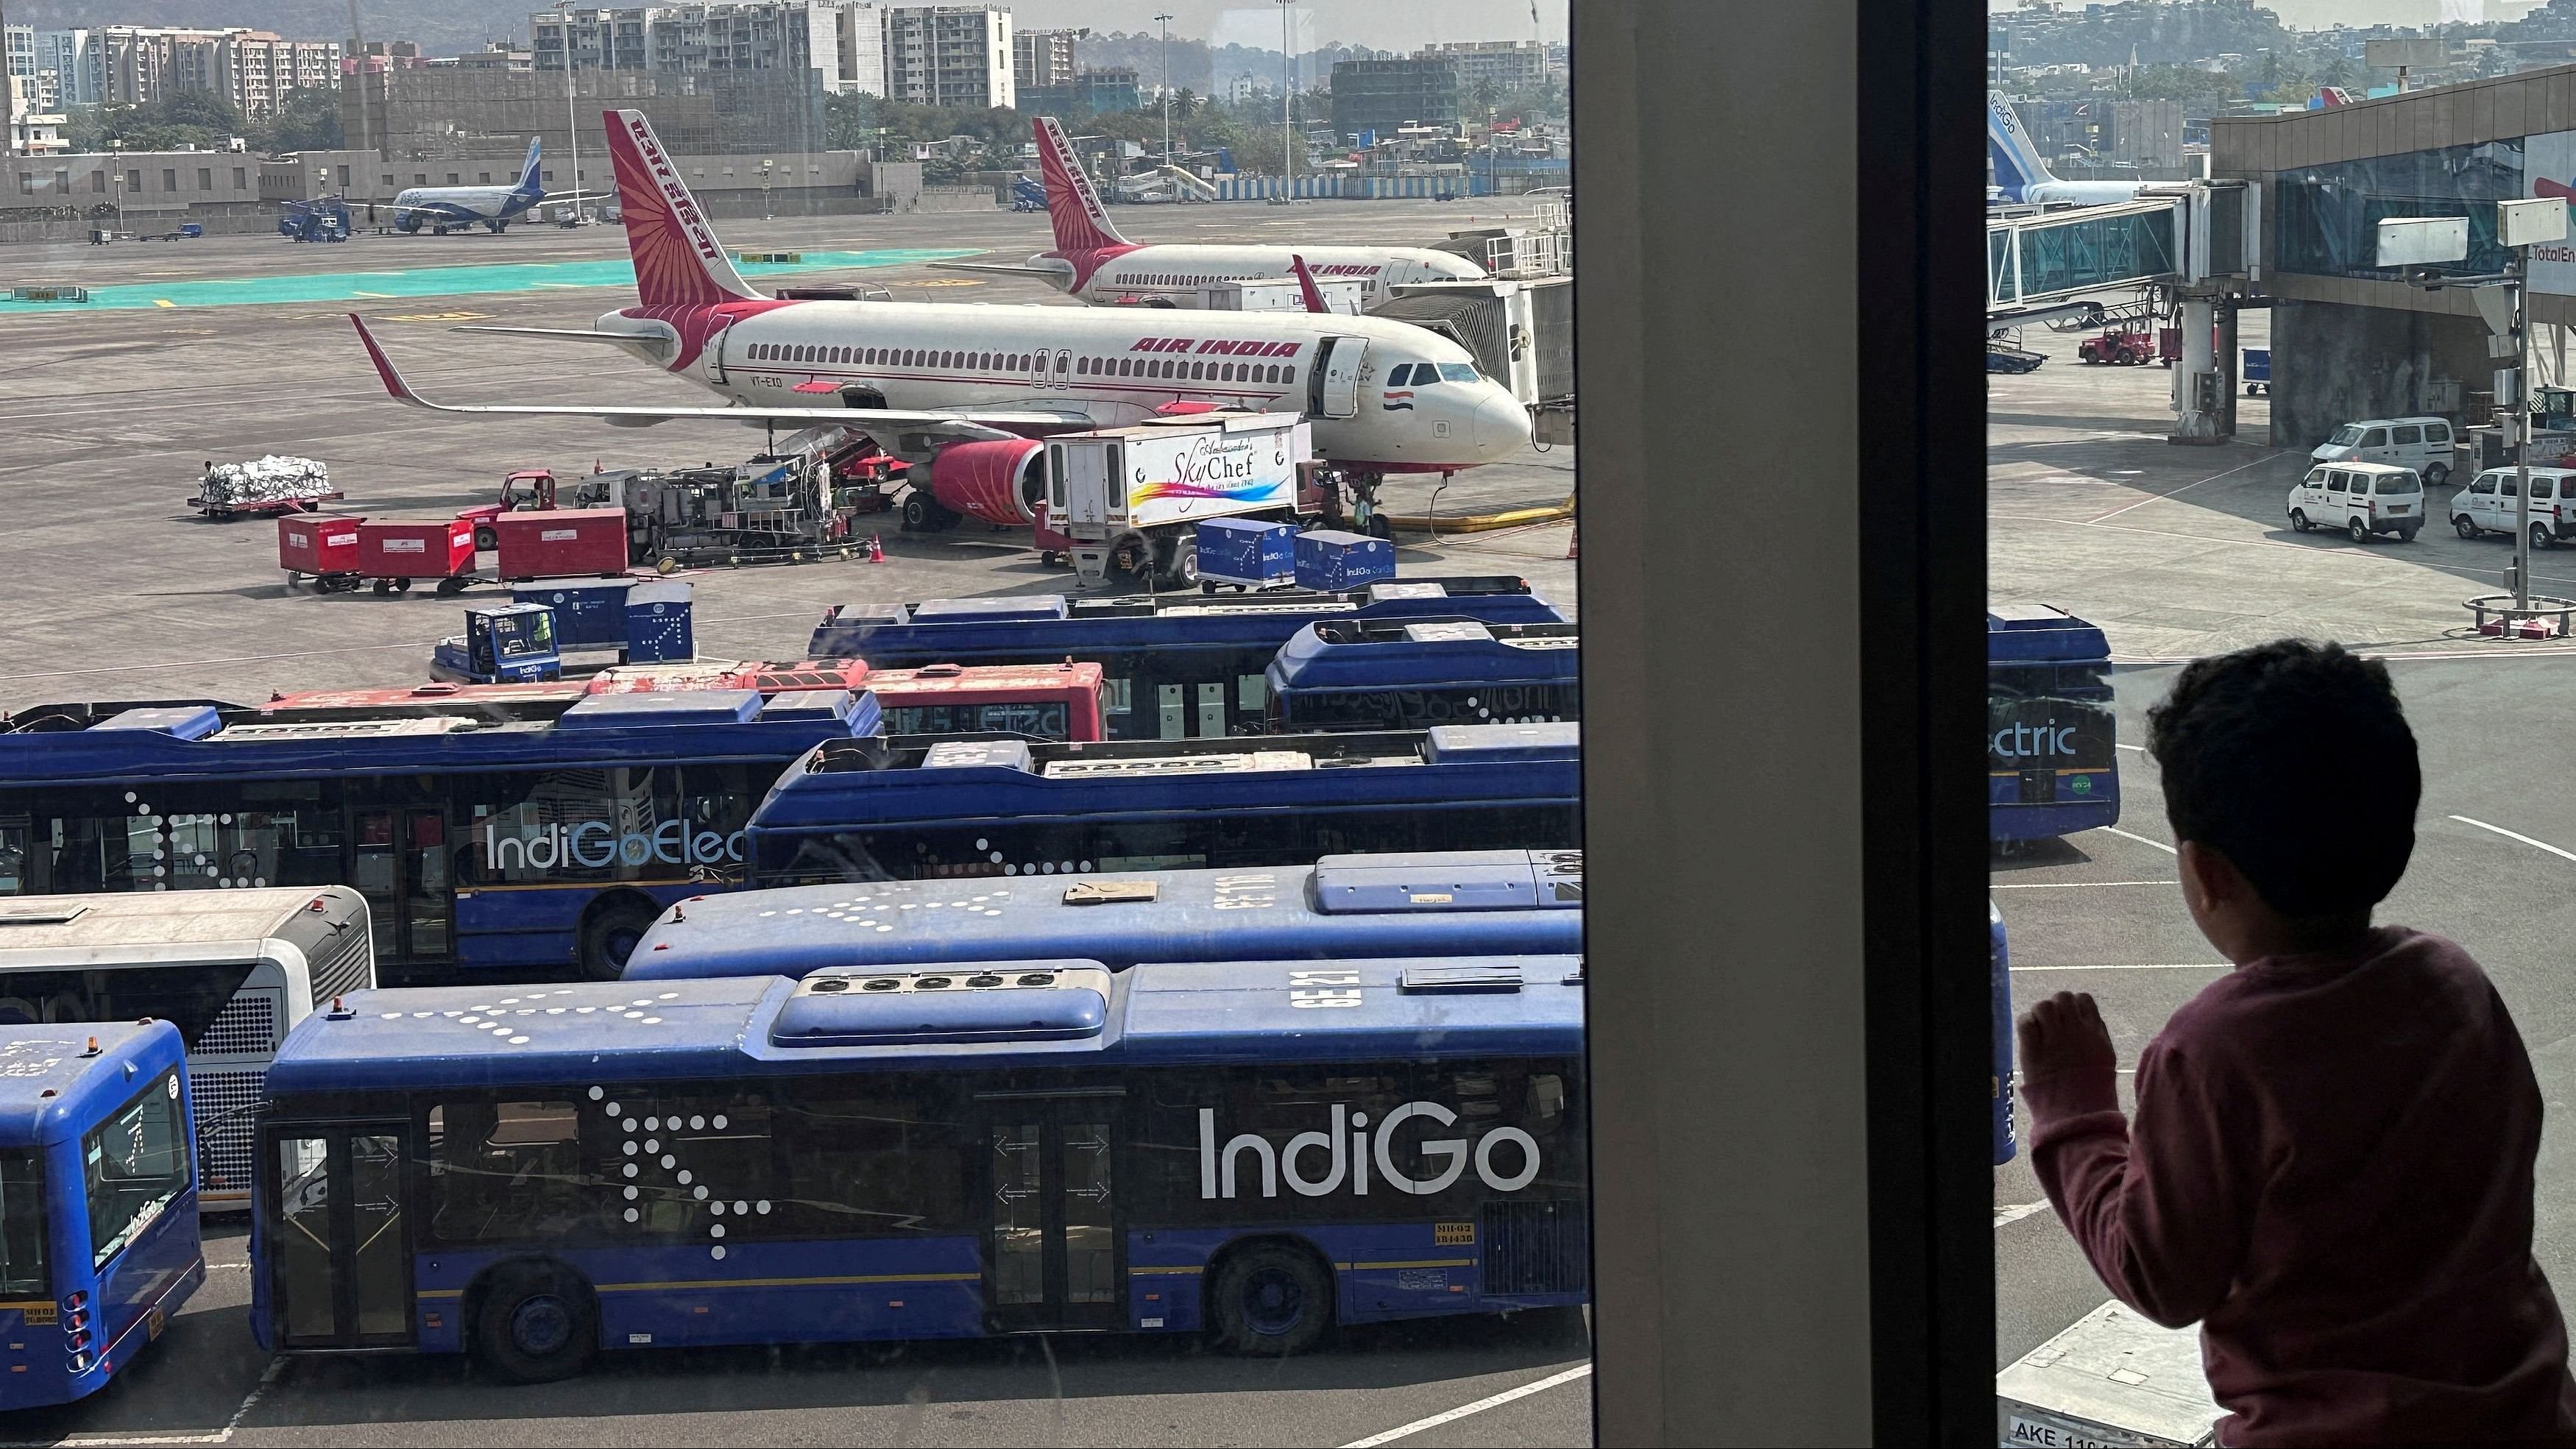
(994, 426)
(573, 334)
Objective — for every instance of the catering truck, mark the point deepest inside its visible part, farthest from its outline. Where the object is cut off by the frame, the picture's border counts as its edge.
(1127, 501)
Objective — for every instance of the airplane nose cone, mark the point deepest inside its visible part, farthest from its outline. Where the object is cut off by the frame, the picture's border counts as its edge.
(1501, 425)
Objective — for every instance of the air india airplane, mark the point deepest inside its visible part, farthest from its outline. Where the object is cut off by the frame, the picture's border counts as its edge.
(967, 388)
(1091, 261)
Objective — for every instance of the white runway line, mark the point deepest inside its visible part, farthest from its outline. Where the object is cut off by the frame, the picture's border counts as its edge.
(2158, 844)
(1495, 1401)
(2018, 1211)
(2517, 835)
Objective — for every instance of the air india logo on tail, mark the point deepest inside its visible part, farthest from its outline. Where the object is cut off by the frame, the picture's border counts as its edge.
(1073, 204)
(678, 261)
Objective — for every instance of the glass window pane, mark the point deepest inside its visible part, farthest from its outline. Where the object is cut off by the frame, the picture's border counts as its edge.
(303, 1239)
(136, 1162)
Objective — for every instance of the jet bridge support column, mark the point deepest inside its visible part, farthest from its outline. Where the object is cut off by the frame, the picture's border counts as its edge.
(2198, 388)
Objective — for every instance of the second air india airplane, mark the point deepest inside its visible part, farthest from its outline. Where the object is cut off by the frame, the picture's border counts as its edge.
(1092, 262)
(967, 388)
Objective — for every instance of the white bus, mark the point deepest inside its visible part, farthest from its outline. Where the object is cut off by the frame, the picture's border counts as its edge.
(231, 969)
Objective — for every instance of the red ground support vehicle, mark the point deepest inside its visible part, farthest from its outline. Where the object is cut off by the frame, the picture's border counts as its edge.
(321, 547)
(2119, 347)
(530, 490)
(395, 552)
(563, 543)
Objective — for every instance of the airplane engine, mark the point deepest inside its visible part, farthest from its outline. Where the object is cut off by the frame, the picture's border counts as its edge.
(1000, 481)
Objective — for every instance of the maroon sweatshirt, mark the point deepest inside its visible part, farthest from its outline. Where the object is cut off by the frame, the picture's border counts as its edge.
(2331, 1173)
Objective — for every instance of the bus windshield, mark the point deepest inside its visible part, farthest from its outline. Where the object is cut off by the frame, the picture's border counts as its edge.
(22, 1225)
(134, 1163)
(188, 997)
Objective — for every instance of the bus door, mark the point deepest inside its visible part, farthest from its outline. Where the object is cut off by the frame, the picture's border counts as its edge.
(339, 1261)
(1051, 1247)
(404, 870)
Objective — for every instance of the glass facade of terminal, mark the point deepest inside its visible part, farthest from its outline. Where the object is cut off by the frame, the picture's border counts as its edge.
(2329, 214)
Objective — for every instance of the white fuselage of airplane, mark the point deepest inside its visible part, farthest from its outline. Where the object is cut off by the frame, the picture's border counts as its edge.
(461, 205)
(1406, 400)
(1151, 272)
(2074, 193)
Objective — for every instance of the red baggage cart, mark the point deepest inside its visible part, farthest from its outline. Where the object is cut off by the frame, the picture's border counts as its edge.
(396, 552)
(563, 543)
(321, 547)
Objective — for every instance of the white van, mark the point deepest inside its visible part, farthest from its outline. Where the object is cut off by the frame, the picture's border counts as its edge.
(2423, 444)
(2361, 499)
(2490, 505)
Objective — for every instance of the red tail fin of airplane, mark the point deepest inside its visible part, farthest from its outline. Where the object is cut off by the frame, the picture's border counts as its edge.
(678, 261)
(1306, 285)
(1073, 205)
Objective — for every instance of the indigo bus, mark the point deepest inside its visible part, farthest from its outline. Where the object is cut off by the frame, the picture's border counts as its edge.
(1059, 701)
(1000, 807)
(536, 847)
(231, 970)
(1252, 1150)
(1172, 667)
(1364, 674)
(1443, 903)
(2051, 733)
(98, 1223)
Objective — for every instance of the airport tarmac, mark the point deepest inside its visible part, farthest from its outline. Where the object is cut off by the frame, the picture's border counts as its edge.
(2178, 551)
(115, 589)
(106, 418)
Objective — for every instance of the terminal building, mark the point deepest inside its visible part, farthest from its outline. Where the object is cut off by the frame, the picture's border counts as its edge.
(2351, 340)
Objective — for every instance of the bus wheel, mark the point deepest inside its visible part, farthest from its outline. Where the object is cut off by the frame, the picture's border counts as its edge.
(1271, 1298)
(536, 1323)
(609, 936)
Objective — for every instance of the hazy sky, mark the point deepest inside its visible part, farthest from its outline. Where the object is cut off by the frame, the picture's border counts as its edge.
(1373, 23)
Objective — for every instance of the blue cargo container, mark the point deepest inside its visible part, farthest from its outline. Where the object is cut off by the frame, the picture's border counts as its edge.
(1247, 552)
(587, 615)
(1327, 560)
(659, 629)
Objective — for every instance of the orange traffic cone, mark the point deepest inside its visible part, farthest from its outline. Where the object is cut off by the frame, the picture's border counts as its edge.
(876, 548)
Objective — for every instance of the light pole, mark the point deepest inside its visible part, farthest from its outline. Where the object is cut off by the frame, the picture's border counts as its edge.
(1287, 93)
(1166, 21)
(765, 213)
(572, 127)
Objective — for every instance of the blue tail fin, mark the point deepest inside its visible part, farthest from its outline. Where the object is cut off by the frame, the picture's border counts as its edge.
(528, 173)
(2017, 163)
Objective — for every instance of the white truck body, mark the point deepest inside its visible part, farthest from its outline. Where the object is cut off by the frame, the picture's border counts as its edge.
(1144, 489)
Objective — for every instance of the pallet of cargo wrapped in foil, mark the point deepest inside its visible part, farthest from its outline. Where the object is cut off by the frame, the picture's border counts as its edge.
(272, 484)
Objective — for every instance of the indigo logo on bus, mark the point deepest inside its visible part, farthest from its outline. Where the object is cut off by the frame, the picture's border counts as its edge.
(1347, 1151)
(2043, 741)
(594, 843)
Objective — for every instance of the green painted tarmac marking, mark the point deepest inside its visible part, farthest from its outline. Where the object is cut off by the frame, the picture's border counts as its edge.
(441, 281)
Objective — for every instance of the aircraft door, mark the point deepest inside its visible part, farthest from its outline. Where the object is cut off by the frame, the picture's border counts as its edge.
(1064, 369)
(1337, 377)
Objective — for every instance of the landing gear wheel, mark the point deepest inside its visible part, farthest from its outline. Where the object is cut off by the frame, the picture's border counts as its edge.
(1271, 1299)
(485, 540)
(537, 1323)
(2299, 521)
(2359, 530)
(609, 937)
(2465, 528)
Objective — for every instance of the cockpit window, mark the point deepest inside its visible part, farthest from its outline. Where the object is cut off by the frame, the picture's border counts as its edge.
(1402, 376)
(1459, 372)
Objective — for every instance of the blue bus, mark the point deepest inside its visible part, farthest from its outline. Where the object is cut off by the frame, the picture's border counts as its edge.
(1364, 674)
(1447, 903)
(2051, 733)
(483, 842)
(1172, 667)
(98, 1203)
(1252, 1150)
(1002, 807)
